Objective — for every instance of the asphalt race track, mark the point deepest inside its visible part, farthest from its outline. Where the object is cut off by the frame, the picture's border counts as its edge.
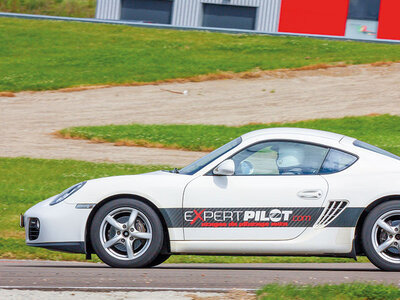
(48, 275)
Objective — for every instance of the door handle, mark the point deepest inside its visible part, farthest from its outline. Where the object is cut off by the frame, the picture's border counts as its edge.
(310, 194)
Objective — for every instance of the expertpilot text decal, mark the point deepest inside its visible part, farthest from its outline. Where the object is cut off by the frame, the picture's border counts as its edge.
(259, 217)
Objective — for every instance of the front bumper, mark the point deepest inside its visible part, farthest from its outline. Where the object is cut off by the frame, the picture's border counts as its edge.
(61, 227)
(70, 247)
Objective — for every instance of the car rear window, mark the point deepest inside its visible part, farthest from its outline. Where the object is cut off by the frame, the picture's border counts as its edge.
(374, 149)
(337, 161)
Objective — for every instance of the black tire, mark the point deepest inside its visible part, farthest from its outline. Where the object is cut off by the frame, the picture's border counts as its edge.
(153, 247)
(159, 260)
(368, 238)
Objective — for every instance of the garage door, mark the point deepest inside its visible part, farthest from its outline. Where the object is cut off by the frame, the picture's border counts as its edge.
(229, 16)
(154, 11)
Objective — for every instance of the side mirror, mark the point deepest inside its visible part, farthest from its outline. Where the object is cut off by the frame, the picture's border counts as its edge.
(226, 168)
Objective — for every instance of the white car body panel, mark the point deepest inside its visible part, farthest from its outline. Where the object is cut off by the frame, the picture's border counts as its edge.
(249, 191)
(312, 242)
(58, 223)
(372, 177)
(168, 193)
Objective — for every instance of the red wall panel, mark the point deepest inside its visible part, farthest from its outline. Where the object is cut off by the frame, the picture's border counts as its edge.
(314, 16)
(389, 20)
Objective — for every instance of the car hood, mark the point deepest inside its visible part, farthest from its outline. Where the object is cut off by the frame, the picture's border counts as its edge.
(163, 188)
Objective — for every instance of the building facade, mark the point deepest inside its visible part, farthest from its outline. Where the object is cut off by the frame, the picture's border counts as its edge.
(358, 19)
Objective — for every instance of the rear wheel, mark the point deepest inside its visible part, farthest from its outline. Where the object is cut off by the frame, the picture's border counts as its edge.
(381, 236)
(126, 233)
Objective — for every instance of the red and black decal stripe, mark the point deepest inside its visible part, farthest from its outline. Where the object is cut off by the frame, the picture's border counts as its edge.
(241, 217)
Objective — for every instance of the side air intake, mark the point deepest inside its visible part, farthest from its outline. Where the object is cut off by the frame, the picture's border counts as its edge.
(330, 213)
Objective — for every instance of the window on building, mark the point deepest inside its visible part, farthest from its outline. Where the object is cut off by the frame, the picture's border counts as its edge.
(229, 16)
(151, 11)
(364, 10)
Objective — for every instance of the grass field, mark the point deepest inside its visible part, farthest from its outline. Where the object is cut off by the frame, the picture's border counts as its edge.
(24, 182)
(68, 8)
(348, 291)
(383, 131)
(42, 55)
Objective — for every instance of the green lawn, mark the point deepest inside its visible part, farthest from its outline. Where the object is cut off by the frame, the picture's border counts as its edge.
(68, 8)
(383, 131)
(42, 55)
(348, 291)
(25, 181)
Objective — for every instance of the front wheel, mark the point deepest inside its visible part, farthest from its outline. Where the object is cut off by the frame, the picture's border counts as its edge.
(127, 233)
(381, 236)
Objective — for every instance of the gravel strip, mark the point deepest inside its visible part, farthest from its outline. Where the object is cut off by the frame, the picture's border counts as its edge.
(28, 119)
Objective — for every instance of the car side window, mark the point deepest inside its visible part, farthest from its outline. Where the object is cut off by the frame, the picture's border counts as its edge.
(279, 158)
(336, 161)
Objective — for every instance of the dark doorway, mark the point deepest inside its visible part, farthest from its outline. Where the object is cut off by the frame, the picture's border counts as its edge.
(152, 11)
(229, 16)
(364, 10)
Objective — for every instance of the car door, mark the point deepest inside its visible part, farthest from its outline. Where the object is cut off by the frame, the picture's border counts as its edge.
(274, 194)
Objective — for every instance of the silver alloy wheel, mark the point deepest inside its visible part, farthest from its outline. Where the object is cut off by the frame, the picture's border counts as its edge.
(386, 236)
(125, 233)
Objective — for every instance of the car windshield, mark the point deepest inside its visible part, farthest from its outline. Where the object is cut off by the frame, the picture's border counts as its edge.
(205, 160)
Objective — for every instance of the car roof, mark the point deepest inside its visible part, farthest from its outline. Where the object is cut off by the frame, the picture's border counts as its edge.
(293, 131)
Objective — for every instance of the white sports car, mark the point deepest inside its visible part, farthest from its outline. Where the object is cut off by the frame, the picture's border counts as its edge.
(282, 191)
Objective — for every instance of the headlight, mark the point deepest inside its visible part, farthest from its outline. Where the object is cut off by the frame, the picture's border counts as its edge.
(68, 192)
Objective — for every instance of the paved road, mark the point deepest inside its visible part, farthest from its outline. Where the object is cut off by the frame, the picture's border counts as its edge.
(200, 277)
